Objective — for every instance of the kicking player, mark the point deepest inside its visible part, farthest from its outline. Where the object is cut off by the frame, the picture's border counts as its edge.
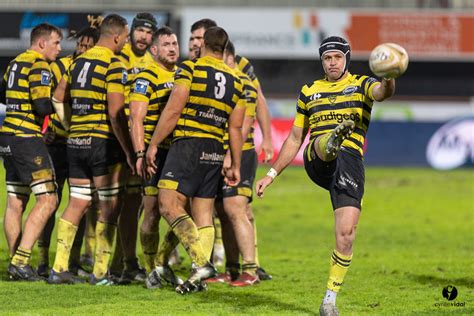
(26, 91)
(336, 109)
(55, 139)
(94, 85)
(205, 96)
(149, 95)
(136, 57)
(263, 117)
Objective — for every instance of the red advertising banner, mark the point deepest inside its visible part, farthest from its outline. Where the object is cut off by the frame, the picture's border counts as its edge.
(422, 34)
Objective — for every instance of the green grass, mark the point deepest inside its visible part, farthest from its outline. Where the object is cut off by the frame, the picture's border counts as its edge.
(416, 235)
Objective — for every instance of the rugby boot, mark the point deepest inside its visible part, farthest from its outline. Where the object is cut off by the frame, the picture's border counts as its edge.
(263, 275)
(78, 270)
(338, 135)
(65, 277)
(194, 282)
(132, 272)
(43, 270)
(245, 279)
(220, 278)
(107, 280)
(328, 310)
(23, 273)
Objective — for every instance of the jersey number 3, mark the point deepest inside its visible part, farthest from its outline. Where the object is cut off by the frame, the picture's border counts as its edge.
(219, 89)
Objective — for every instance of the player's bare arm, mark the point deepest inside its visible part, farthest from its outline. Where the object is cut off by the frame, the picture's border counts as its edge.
(288, 152)
(60, 97)
(138, 111)
(166, 124)
(232, 175)
(118, 121)
(264, 121)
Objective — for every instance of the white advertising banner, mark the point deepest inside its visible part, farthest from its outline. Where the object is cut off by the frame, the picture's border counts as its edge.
(297, 33)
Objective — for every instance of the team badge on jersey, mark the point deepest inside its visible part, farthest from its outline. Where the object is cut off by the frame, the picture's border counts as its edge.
(45, 78)
(124, 76)
(141, 86)
(332, 99)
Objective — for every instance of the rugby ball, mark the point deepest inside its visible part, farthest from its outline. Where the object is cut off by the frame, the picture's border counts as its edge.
(388, 60)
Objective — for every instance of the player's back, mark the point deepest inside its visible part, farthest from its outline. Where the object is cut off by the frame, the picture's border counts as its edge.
(27, 79)
(91, 76)
(215, 90)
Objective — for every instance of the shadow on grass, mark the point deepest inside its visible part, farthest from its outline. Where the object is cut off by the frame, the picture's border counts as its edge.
(250, 302)
(433, 280)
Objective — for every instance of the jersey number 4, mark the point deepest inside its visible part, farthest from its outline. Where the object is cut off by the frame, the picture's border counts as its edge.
(82, 78)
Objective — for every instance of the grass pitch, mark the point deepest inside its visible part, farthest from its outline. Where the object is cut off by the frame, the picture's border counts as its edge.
(416, 236)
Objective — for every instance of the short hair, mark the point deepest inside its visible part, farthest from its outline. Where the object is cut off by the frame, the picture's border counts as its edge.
(112, 24)
(43, 29)
(203, 23)
(164, 30)
(230, 49)
(216, 39)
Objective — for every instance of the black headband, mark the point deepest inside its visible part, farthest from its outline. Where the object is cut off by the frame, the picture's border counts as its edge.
(144, 22)
(343, 48)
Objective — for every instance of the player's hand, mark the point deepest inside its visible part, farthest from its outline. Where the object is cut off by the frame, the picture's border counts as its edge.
(131, 164)
(151, 168)
(267, 149)
(262, 184)
(227, 161)
(141, 167)
(231, 176)
(49, 136)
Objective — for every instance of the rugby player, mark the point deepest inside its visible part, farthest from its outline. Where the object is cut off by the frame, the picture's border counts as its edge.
(206, 95)
(97, 146)
(336, 110)
(26, 92)
(149, 95)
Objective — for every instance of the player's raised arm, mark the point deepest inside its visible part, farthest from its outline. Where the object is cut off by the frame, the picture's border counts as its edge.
(288, 152)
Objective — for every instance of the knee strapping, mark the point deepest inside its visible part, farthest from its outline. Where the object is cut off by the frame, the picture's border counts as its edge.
(82, 191)
(44, 187)
(110, 192)
(18, 188)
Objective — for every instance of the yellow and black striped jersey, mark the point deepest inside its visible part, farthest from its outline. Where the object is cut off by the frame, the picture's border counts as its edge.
(133, 64)
(91, 76)
(246, 67)
(250, 94)
(27, 80)
(58, 69)
(153, 85)
(214, 91)
(322, 105)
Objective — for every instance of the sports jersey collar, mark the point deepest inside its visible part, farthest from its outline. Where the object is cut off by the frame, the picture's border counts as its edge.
(35, 53)
(347, 79)
(213, 59)
(105, 48)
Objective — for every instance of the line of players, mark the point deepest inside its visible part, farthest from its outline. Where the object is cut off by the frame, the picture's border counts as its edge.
(106, 83)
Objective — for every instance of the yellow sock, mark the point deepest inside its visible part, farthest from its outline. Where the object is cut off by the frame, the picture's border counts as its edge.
(257, 261)
(149, 243)
(206, 235)
(66, 234)
(21, 257)
(89, 239)
(104, 234)
(169, 243)
(187, 233)
(339, 266)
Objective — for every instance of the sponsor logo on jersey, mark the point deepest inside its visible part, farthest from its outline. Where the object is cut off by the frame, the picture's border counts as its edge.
(78, 141)
(5, 150)
(124, 77)
(349, 90)
(45, 78)
(315, 96)
(210, 114)
(211, 157)
(141, 86)
(338, 117)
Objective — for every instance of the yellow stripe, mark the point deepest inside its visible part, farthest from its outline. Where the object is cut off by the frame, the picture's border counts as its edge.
(168, 184)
